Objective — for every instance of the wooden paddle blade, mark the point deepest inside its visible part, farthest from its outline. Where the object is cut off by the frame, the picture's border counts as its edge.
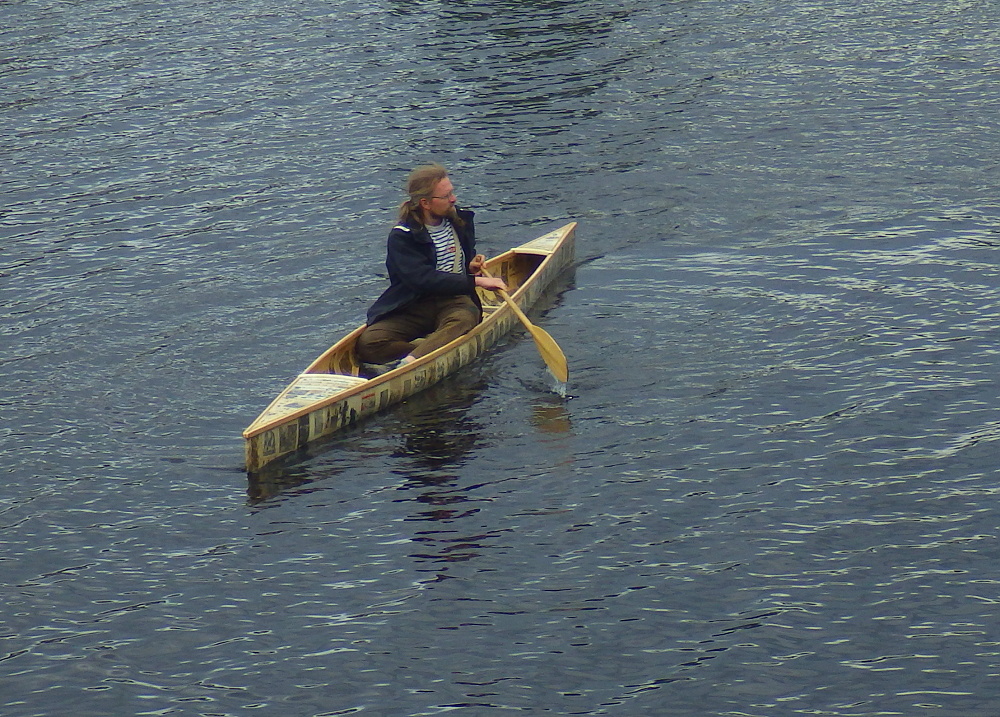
(552, 355)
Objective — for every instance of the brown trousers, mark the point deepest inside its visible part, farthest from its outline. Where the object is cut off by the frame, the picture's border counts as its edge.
(438, 319)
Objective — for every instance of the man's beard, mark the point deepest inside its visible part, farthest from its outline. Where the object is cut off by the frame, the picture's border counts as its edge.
(451, 214)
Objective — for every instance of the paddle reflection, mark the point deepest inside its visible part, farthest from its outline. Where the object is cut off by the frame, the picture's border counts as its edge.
(551, 416)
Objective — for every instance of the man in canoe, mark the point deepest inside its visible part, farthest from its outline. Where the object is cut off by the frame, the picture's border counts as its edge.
(433, 273)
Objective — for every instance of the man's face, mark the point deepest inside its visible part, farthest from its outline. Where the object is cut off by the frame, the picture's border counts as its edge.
(443, 200)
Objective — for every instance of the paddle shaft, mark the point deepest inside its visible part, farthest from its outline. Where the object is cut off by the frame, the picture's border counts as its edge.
(510, 302)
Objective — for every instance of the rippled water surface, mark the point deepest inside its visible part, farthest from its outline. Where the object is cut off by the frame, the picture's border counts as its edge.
(770, 489)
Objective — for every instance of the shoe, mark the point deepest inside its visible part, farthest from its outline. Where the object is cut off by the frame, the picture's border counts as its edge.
(372, 370)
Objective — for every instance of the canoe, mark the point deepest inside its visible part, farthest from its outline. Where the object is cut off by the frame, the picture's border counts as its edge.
(331, 394)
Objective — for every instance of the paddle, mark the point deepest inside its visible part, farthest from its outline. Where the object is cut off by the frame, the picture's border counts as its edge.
(553, 356)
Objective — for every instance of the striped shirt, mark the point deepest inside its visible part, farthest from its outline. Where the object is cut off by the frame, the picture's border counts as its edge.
(450, 256)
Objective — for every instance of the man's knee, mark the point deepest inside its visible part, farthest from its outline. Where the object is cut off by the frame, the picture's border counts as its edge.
(461, 320)
(375, 344)
(365, 343)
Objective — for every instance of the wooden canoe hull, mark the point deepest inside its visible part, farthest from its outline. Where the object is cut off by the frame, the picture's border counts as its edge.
(330, 395)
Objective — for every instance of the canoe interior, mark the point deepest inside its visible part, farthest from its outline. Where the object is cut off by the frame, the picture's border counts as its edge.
(514, 267)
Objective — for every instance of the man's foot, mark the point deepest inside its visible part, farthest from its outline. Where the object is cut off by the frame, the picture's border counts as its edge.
(372, 370)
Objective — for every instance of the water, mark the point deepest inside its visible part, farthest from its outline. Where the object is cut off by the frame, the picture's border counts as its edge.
(769, 489)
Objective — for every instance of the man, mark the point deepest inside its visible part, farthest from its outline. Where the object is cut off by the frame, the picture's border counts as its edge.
(433, 275)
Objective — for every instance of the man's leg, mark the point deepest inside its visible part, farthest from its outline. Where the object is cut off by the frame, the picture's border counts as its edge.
(456, 316)
(390, 338)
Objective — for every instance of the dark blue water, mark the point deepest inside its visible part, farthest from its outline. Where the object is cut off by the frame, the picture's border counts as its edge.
(769, 491)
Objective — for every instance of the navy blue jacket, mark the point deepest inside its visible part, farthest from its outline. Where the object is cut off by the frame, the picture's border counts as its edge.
(411, 261)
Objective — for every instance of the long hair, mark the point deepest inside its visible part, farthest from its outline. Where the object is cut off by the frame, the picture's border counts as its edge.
(420, 185)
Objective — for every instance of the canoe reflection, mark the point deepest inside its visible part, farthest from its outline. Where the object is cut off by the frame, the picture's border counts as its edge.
(436, 431)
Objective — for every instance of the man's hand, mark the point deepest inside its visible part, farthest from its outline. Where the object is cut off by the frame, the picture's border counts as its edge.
(476, 265)
(491, 284)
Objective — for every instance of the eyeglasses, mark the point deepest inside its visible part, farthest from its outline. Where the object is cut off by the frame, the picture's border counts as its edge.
(449, 195)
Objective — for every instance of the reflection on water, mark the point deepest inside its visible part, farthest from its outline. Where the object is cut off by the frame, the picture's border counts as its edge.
(280, 477)
(551, 416)
(437, 431)
(437, 435)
